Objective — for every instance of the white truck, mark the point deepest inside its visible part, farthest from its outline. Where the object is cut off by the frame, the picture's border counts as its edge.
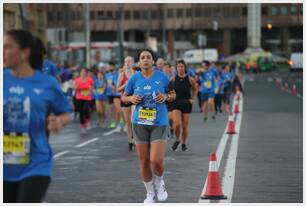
(196, 56)
(296, 61)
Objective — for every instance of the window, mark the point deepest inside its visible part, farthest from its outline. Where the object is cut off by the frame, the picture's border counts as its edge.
(284, 10)
(180, 13)
(216, 12)
(244, 11)
(264, 11)
(78, 15)
(145, 14)
(50, 16)
(188, 13)
(92, 15)
(160, 14)
(109, 14)
(235, 12)
(170, 13)
(274, 11)
(136, 15)
(293, 10)
(207, 12)
(226, 12)
(127, 15)
(153, 14)
(100, 14)
(198, 12)
(59, 16)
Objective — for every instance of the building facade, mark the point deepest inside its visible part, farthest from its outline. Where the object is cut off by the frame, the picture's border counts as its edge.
(179, 26)
(31, 17)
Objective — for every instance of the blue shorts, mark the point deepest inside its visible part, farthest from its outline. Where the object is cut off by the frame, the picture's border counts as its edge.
(206, 96)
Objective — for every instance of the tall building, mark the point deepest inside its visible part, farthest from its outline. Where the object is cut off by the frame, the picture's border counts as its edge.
(180, 26)
(31, 17)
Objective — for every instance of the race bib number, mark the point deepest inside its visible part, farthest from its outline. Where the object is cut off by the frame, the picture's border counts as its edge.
(16, 149)
(100, 90)
(85, 92)
(147, 116)
(207, 84)
(110, 81)
(216, 90)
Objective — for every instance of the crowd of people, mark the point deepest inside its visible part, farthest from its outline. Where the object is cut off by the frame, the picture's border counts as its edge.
(148, 98)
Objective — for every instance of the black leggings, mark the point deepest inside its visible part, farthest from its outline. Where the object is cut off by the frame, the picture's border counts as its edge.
(227, 95)
(218, 102)
(84, 107)
(28, 190)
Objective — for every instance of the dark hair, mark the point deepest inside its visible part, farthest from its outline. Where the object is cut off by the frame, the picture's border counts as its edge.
(225, 65)
(26, 40)
(207, 63)
(148, 50)
(181, 61)
(167, 64)
(111, 63)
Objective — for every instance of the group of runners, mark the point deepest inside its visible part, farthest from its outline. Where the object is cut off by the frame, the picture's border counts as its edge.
(151, 100)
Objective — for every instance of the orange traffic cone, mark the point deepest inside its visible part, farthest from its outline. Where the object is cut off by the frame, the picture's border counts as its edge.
(231, 125)
(236, 108)
(294, 91)
(213, 187)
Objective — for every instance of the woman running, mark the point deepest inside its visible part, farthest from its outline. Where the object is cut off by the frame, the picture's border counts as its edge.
(148, 90)
(84, 86)
(227, 82)
(218, 93)
(29, 97)
(126, 107)
(100, 97)
(182, 105)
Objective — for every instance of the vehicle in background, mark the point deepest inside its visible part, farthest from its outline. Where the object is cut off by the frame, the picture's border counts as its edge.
(265, 64)
(196, 56)
(296, 61)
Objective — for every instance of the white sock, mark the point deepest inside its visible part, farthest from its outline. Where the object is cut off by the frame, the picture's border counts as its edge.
(158, 179)
(149, 186)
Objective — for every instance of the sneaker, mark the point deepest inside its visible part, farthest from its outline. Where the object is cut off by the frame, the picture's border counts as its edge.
(161, 191)
(112, 125)
(88, 126)
(98, 123)
(213, 117)
(220, 110)
(175, 145)
(205, 119)
(184, 148)
(131, 145)
(150, 198)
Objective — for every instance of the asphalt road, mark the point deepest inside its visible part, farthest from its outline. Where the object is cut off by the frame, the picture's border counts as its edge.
(99, 169)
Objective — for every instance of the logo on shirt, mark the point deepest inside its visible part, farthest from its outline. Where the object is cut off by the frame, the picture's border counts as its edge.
(17, 90)
(147, 87)
(38, 91)
(157, 82)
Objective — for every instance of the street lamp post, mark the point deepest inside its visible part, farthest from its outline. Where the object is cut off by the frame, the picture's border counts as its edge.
(87, 38)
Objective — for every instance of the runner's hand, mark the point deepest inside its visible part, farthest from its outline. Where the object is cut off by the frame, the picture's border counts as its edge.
(135, 99)
(54, 124)
(160, 98)
(191, 101)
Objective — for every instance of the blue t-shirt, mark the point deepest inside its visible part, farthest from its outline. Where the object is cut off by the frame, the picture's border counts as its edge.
(100, 89)
(26, 104)
(207, 82)
(213, 70)
(227, 78)
(112, 78)
(218, 86)
(148, 112)
(50, 68)
(191, 72)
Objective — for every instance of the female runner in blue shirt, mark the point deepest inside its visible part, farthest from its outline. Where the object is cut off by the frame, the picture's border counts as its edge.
(148, 90)
(29, 97)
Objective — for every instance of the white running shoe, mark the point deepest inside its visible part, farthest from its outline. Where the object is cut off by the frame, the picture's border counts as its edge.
(88, 126)
(161, 191)
(150, 198)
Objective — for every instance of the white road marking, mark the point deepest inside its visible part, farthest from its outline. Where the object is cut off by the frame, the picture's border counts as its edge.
(270, 79)
(86, 143)
(60, 154)
(221, 148)
(229, 172)
(117, 129)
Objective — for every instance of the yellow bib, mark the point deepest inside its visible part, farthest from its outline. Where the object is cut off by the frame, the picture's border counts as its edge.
(16, 149)
(207, 84)
(147, 115)
(85, 92)
(100, 90)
